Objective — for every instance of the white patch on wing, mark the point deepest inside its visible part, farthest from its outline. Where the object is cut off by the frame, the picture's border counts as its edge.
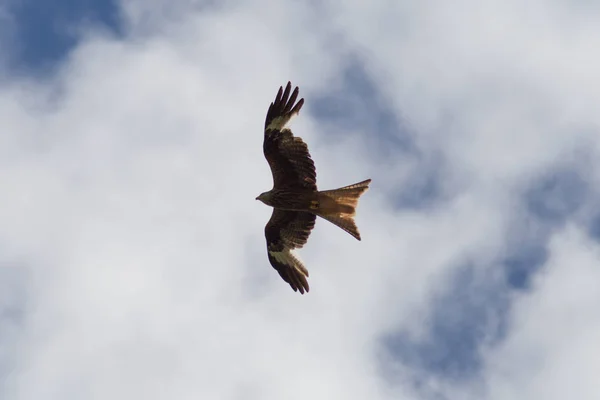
(290, 258)
(279, 123)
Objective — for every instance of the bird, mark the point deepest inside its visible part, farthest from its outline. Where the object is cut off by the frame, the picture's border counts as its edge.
(295, 199)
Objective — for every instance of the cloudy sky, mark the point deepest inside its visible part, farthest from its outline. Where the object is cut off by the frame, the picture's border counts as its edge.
(132, 257)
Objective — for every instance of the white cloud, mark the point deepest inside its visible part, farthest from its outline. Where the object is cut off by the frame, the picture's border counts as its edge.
(553, 350)
(128, 183)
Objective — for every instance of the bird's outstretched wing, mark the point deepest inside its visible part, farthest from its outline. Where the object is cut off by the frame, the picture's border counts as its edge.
(286, 231)
(288, 156)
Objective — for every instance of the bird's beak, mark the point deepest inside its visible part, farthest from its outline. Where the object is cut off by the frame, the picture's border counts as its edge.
(256, 198)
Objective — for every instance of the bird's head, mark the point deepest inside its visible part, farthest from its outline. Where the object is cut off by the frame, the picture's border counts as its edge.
(264, 197)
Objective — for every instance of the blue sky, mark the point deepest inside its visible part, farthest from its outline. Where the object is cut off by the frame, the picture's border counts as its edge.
(44, 33)
(131, 265)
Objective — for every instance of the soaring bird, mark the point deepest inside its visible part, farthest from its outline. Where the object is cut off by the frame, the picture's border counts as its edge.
(295, 199)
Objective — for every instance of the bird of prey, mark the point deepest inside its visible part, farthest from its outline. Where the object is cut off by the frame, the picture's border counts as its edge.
(295, 199)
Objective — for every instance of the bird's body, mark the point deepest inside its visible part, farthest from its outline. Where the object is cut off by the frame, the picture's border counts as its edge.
(290, 200)
(295, 199)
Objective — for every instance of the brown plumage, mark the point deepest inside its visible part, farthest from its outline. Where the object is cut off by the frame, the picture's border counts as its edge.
(294, 197)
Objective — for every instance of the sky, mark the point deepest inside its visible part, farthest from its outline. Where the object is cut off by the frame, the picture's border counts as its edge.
(132, 253)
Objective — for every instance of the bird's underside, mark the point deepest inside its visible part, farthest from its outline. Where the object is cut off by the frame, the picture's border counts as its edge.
(295, 199)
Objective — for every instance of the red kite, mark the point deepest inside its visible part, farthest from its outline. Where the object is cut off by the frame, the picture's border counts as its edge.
(295, 199)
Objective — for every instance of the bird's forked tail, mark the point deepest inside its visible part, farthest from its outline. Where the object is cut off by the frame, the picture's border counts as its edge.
(338, 206)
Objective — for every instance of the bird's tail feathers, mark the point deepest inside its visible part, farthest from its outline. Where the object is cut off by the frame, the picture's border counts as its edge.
(338, 206)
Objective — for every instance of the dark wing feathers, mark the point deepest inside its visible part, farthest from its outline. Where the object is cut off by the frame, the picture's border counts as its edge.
(289, 229)
(286, 231)
(294, 170)
(288, 156)
(282, 109)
